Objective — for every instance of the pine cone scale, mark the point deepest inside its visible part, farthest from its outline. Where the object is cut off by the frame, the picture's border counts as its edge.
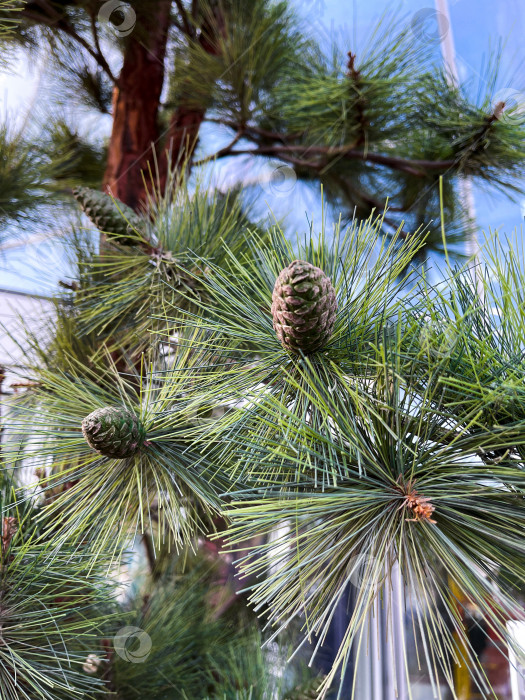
(304, 307)
(113, 432)
(118, 221)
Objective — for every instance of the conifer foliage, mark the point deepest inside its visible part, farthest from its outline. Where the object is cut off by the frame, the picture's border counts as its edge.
(397, 441)
(228, 430)
(373, 119)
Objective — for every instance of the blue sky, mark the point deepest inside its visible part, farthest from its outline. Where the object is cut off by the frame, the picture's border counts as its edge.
(477, 27)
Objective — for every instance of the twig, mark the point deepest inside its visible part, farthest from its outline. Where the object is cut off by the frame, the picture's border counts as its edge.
(413, 167)
(96, 39)
(265, 133)
(221, 153)
(60, 23)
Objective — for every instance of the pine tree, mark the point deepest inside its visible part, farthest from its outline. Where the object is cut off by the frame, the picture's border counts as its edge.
(370, 122)
(215, 406)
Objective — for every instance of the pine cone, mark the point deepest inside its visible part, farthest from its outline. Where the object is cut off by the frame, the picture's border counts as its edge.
(114, 432)
(304, 307)
(103, 212)
(421, 507)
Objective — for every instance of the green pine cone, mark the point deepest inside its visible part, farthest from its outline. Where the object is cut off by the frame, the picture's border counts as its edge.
(101, 209)
(114, 432)
(303, 307)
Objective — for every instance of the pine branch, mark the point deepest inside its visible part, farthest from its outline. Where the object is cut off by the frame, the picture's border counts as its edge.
(66, 603)
(410, 166)
(101, 60)
(53, 19)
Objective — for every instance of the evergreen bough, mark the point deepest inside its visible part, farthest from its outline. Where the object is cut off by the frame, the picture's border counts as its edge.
(390, 433)
(397, 441)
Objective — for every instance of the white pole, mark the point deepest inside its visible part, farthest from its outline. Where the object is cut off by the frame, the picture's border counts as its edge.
(465, 184)
(393, 669)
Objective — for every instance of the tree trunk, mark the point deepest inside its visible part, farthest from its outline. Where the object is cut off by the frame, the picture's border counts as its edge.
(136, 103)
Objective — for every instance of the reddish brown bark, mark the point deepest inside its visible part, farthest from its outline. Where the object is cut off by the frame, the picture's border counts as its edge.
(136, 105)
